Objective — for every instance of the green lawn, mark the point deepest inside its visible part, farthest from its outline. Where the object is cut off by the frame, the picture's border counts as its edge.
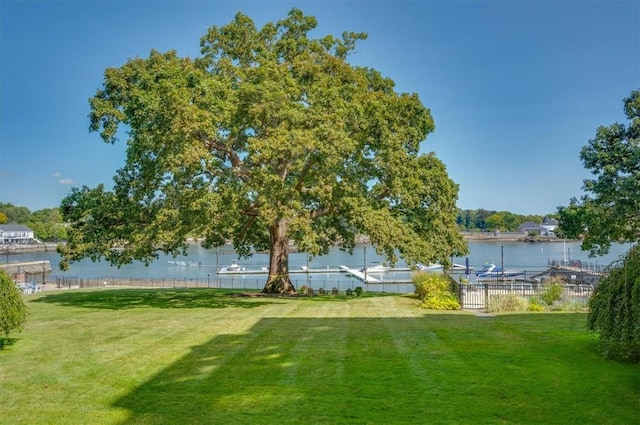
(121, 356)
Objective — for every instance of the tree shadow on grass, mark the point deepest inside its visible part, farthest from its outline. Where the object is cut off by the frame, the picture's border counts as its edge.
(370, 370)
(122, 299)
(6, 342)
(281, 371)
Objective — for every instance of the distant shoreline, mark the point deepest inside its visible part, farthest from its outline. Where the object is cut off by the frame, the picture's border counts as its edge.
(468, 236)
(509, 237)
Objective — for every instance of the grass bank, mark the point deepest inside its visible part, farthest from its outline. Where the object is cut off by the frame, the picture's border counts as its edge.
(200, 356)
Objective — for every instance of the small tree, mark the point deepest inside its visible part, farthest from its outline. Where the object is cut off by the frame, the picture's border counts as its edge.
(609, 213)
(13, 311)
(609, 210)
(615, 309)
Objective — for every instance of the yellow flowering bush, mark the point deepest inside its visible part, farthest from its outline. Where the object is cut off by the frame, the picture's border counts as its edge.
(433, 290)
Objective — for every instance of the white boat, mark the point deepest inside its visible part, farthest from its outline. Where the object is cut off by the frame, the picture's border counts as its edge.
(181, 263)
(378, 268)
(431, 267)
(234, 267)
(459, 267)
(491, 270)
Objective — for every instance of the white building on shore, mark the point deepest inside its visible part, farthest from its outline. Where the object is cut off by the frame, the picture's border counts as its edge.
(18, 234)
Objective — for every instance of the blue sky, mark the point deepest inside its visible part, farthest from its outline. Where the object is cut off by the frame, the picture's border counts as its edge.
(516, 88)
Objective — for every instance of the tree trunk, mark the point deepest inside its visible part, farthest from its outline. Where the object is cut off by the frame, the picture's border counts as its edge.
(279, 282)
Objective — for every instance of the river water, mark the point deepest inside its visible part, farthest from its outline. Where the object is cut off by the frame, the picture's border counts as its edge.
(201, 263)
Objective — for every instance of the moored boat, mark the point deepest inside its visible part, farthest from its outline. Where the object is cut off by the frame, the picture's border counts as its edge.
(234, 267)
(431, 267)
(491, 270)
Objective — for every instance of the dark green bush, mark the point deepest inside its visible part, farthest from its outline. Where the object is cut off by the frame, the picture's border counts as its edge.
(615, 309)
(13, 311)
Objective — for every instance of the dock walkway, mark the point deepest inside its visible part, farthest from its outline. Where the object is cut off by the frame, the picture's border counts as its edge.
(360, 275)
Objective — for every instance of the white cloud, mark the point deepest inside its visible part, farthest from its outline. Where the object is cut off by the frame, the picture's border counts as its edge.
(58, 176)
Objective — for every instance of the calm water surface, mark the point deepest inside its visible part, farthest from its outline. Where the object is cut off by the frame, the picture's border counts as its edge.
(202, 263)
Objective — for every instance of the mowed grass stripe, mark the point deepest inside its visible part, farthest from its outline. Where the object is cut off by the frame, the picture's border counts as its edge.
(203, 356)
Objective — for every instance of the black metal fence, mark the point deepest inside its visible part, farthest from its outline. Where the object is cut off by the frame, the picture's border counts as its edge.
(478, 296)
(577, 285)
(245, 284)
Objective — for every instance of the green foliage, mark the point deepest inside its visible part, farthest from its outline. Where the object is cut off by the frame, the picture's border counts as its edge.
(270, 135)
(47, 224)
(534, 305)
(507, 303)
(505, 221)
(358, 290)
(491, 220)
(608, 212)
(551, 292)
(433, 290)
(615, 309)
(13, 311)
(15, 214)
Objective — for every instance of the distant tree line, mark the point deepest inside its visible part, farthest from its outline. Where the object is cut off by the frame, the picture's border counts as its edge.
(46, 223)
(486, 220)
(48, 226)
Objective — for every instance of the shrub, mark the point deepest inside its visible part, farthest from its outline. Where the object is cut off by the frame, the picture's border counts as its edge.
(569, 304)
(445, 301)
(358, 291)
(433, 290)
(551, 292)
(508, 302)
(615, 309)
(13, 311)
(534, 305)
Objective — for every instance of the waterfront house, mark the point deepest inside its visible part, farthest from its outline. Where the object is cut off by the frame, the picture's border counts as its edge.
(548, 226)
(529, 227)
(18, 234)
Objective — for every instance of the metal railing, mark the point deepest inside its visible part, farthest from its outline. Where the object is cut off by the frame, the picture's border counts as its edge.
(245, 284)
(478, 296)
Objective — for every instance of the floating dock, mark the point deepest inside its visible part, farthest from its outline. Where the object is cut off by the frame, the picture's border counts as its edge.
(360, 275)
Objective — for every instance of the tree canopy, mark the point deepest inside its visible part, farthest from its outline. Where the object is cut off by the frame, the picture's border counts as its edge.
(268, 136)
(610, 209)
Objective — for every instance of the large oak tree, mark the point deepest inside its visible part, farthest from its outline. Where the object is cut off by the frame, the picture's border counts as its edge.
(270, 136)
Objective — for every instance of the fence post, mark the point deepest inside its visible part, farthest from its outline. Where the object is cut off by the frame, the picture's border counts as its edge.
(486, 296)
